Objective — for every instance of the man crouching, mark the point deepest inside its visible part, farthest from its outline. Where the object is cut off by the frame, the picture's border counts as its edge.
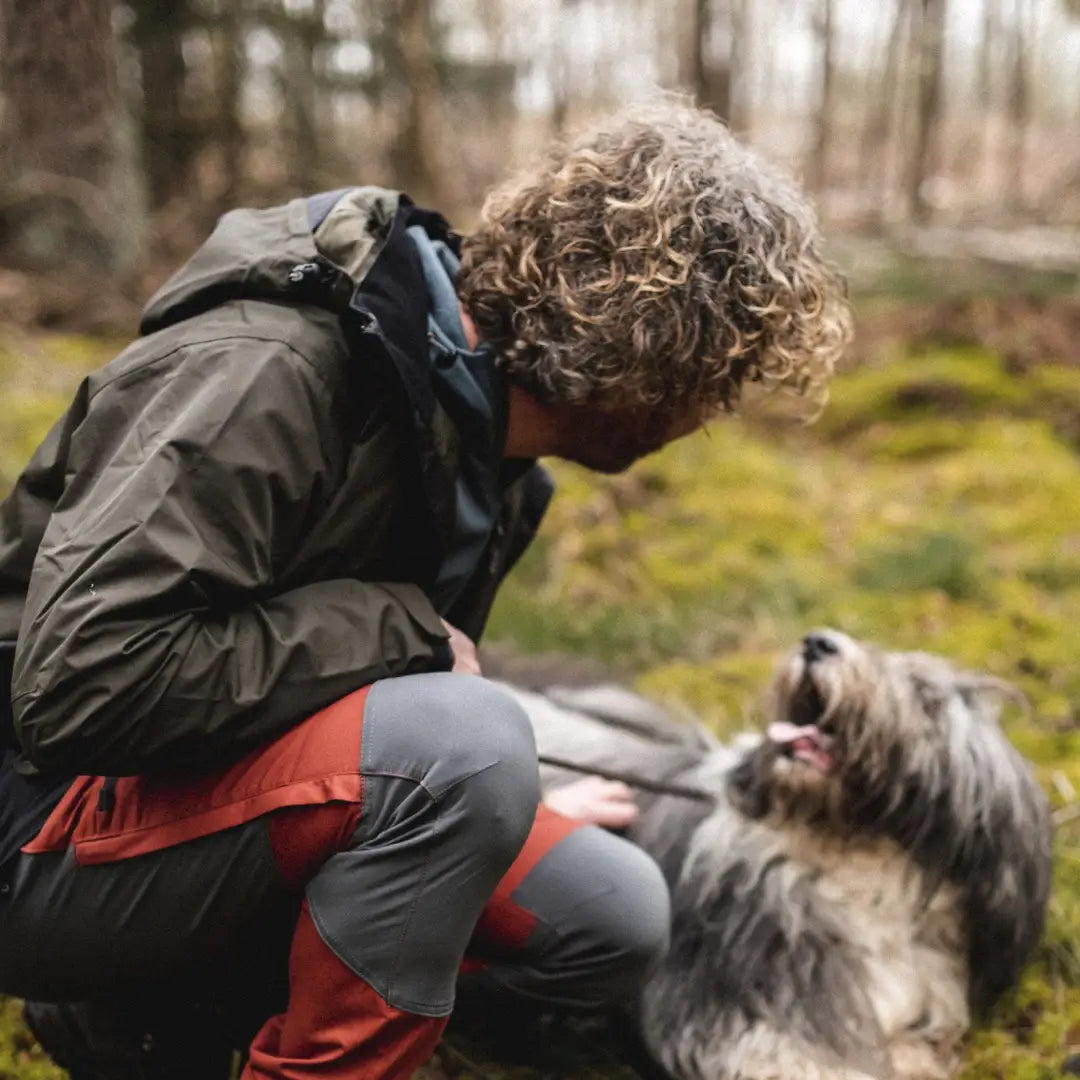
(250, 799)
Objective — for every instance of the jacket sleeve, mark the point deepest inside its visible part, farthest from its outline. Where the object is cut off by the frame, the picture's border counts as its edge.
(155, 637)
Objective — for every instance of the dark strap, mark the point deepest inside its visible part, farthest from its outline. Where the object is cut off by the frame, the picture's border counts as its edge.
(7, 721)
(107, 795)
(658, 787)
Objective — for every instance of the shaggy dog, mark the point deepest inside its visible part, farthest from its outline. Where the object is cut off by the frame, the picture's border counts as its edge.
(867, 874)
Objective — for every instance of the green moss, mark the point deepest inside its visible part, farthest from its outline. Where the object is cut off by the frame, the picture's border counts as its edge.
(931, 560)
(725, 693)
(38, 375)
(923, 387)
(936, 506)
(20, 1056)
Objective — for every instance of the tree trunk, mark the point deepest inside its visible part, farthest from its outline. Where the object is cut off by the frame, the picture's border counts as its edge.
(304, 34)
(560, 69)
(415, 153)
(985, 82)
(230, 67)
(168, 135)
(68, 196)
(929, 58)
(1019, 106)
(712, 77)
(819, 159)
(876, 141)
(738, 42)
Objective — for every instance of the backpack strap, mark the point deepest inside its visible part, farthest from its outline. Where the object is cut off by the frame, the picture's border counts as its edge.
(7, 719)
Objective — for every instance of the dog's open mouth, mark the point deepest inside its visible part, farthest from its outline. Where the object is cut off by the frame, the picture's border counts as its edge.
(800, 737)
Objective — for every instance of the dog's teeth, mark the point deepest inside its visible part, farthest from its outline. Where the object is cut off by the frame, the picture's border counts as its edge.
(782, 731)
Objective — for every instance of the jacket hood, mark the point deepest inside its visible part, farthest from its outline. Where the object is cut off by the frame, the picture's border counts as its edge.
(330, 241)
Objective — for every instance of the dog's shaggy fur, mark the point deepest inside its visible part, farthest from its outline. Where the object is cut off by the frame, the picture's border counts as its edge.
(873, 870)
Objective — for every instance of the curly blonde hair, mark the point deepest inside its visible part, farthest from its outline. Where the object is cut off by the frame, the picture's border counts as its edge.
(655, 261)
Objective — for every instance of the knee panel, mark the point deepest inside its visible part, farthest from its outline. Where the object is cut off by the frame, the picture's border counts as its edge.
(603, 920)
(451, 789)
(461, 739)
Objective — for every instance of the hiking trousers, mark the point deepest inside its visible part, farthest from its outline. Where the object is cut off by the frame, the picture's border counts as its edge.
(315, 901)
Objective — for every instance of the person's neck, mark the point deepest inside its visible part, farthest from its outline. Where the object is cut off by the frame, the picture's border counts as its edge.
(532, 429)
(472, 335)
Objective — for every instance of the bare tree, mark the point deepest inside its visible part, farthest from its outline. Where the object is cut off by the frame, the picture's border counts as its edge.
(1021, 40)
(886, 106)
(560, 68)
(1072, 10)
(712, 55)
(415, 150)
(169, 134)
(930, 69)
(68, 193)
(229, 64)
(303, 35)
(739, 40)
(985, 80)
(819, 159)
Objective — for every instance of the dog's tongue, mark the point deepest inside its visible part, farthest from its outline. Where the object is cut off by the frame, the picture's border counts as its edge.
(806, 742)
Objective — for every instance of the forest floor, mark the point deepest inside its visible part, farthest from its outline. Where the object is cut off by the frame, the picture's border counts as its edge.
(935, 505)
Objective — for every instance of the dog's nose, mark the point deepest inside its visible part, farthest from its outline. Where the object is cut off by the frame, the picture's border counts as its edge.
(818, 645)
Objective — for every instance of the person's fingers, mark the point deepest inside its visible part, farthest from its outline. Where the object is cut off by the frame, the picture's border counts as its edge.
(615, 790)
(609, 803)
(463, 649)
(616, 815)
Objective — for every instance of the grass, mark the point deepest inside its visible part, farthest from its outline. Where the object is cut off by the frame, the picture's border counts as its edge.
(936, 505)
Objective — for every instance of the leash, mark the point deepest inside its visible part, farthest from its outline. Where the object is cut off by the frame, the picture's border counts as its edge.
(657, 787)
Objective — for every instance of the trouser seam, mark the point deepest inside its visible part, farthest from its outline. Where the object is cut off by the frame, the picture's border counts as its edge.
(389, 774)
(432, 830)
(418, 892)
(438, 1009)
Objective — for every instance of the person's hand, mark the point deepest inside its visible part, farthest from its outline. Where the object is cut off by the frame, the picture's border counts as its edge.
(609, 803)
(464, 650)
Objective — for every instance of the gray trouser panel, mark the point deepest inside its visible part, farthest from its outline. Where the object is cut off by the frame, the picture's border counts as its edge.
(451, 787)
(603, 920)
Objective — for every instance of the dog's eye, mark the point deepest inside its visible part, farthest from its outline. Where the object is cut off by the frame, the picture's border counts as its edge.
(929, 697)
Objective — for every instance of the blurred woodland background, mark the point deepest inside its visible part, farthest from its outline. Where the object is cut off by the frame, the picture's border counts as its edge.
(128, 127)
(935, 505)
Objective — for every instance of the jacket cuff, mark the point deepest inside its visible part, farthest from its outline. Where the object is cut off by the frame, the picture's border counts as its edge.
(414, 600)
(442, 657)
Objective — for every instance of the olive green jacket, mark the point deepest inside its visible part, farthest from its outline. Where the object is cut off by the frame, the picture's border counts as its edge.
(240, 518)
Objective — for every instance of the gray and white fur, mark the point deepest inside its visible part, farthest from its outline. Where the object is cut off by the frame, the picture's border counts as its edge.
(873, 873)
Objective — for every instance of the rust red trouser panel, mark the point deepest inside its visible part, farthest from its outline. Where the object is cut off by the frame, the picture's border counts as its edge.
(318, 762)
(336, 1025)
(412, 802)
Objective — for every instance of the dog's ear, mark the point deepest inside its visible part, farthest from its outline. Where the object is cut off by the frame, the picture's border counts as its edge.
(1001, 857)
(1005, 901)
(986, 696)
